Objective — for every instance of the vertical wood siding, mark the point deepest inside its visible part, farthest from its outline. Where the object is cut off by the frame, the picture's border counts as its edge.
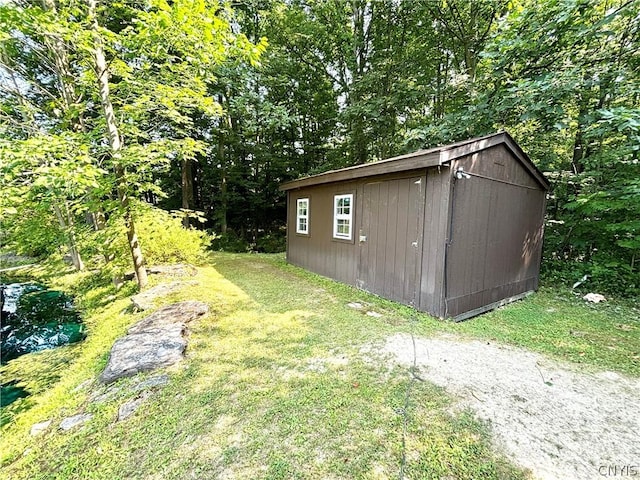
(319, 251)
(496, 232)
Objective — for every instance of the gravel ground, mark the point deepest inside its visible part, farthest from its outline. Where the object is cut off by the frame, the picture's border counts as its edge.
(548, 417)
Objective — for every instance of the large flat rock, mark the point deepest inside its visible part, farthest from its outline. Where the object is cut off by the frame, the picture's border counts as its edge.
(154, 342)
(182, 312)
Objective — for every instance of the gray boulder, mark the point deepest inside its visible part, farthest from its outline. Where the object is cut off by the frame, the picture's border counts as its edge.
(154, 342)
(181, 312)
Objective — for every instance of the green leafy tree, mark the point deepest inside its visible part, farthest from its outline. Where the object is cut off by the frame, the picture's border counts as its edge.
(562, 77)
(128, 79)
(44, 136)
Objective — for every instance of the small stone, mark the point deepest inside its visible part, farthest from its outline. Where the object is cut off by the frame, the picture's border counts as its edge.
(105, 394)
(39, 428)
(594, 298)
(100, 398)
(355, 305)
(70, 422)
(374, 314)
(82, 386)
(127, 409)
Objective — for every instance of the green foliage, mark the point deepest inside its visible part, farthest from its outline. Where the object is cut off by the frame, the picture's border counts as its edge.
(31, 232)
(160, 62)
(48, 181)
(230, 242)
(163, 240)
(271, 243)
(562, 78)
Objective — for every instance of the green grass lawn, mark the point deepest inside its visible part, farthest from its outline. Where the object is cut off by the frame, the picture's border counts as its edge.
(275, 384)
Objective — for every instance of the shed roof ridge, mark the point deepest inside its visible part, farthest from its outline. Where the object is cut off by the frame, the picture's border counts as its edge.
(403, 163)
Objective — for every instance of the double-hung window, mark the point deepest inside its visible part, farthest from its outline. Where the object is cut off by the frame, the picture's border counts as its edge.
(342, 216)
(302, 216)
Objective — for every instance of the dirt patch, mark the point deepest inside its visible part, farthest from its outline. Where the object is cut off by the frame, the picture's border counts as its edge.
(548, 417)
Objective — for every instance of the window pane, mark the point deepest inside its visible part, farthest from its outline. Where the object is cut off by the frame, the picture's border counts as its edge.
(342, 216)
(302, 215)
(343, 226)
(302, 207)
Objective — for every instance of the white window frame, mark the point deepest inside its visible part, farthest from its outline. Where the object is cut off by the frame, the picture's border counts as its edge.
(299, 216)
(342, 216)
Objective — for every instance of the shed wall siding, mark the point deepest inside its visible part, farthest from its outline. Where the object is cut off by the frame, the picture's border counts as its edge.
(381, 264)
(496, 232)
(499, 164)
(318, 251)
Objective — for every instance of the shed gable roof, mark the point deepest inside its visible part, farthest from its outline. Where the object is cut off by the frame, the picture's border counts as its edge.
(431, 157)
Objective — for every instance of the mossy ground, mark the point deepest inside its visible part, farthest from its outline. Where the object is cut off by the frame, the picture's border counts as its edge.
(275, 385)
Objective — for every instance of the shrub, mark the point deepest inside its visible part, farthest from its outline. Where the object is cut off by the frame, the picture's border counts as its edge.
(272, 243)
(229, 242)
(162, 237)
(27, 234)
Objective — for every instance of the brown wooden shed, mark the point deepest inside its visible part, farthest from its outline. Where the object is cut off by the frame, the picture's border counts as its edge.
(454, 231)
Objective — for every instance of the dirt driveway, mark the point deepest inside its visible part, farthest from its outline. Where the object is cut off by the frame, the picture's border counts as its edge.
(548, 417)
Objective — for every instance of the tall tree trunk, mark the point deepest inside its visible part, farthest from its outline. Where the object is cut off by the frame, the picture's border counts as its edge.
(65, 220)
(578, 152)
(360, 46)
(360, 150)
(187, 189)
(223, 185)
(102, 74)
(56, 45)
(580, 148)
(223, 163)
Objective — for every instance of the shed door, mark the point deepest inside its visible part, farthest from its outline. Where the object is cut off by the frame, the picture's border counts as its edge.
(390, 238)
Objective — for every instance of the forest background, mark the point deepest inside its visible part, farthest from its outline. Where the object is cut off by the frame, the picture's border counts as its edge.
(125, 122)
